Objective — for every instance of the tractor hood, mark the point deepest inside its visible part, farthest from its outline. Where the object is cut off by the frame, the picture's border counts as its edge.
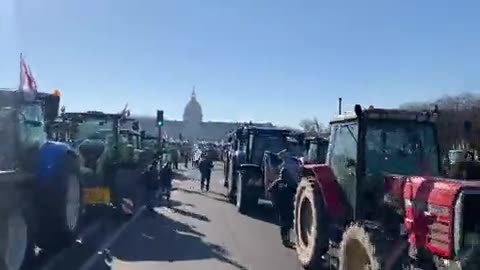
(437, 190)
(440, 213)
(91, 150)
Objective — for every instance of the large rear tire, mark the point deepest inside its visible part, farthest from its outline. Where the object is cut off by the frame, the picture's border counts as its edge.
(245, 201)
(59, 208)
(232, 182)
(16, 243)
(310, 225)
(366, 246)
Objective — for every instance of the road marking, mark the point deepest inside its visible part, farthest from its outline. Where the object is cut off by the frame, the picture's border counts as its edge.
(93, 259)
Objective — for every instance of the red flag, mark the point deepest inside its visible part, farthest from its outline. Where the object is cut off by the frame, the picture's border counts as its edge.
(27, 82)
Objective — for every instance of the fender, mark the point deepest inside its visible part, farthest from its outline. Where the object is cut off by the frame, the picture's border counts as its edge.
(52, 158)
(325, 180)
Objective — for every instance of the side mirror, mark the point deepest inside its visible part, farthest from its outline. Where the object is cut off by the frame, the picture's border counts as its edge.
(136, 126)
(52, 104)
(142, 134)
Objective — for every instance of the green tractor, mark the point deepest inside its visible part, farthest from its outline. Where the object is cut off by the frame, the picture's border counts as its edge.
(110, 159)
(151, 148)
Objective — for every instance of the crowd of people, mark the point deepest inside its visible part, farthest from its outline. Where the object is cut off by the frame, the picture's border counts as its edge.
(159, 185)
(158, 182)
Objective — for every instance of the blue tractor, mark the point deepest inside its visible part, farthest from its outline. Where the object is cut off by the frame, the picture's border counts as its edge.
(39, 180)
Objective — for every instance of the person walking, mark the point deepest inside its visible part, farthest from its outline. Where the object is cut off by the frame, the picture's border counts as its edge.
(187, 158)
(166, 178)
(283, 192)
(150, 176)
(205, 166)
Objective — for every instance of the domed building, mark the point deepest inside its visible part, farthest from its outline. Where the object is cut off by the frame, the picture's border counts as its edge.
(192, 127)
(193, 110)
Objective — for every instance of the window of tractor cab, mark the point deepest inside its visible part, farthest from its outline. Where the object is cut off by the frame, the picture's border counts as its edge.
(31, 126)
(401, 147)
(274, 142)
(93, 129)
(343, 156)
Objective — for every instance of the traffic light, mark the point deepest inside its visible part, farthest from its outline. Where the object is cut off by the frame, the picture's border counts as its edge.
(159, 118)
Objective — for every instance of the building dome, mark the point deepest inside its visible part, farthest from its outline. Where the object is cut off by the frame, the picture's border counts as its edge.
(193, 110)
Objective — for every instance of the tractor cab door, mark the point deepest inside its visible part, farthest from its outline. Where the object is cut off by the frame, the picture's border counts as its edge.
(342, 159)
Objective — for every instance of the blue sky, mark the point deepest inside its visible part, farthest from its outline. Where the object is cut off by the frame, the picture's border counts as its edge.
(291, 59)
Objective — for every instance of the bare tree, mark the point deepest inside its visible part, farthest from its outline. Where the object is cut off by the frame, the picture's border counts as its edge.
(454, 111)
(312, 127)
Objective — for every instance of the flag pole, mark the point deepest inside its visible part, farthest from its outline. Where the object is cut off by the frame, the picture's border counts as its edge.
(20, 73)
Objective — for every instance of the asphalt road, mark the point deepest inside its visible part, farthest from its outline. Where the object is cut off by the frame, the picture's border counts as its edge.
(199, 231)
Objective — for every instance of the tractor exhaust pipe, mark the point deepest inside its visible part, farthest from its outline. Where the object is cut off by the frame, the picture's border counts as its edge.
(339, 105)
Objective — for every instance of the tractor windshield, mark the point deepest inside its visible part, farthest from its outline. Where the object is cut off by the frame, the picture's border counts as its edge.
(31, 125)
(317, 152)
(296, 148)
(401, 147)
(267, 142)
(93, 129)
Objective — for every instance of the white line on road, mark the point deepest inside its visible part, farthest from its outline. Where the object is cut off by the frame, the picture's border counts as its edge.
(92, 260)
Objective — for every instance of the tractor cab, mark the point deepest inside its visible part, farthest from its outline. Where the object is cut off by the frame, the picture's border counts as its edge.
(22, 127)
(370, 143)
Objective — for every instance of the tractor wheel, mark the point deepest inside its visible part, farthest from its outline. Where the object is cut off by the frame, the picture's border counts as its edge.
(232, 179)
(16, 243)
(365, 246)
(310, 225)
(226, 166)
(60, 210)
(245, 201)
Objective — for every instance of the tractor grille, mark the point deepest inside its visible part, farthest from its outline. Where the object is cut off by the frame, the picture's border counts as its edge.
(467, 221)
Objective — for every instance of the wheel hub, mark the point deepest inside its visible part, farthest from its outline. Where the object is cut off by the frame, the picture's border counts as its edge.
(306, 221)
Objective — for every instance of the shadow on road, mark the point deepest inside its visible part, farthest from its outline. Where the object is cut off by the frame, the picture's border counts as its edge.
(209, 194)
(180, 176)
(190, 214)
(159, 238)
(264, 213)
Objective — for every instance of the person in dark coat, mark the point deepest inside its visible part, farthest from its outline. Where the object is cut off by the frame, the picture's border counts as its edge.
(205, 166)
(166, 178)
(151, 181)
(283, 193)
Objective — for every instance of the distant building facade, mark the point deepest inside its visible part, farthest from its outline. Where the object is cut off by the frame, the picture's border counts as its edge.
(192, 127)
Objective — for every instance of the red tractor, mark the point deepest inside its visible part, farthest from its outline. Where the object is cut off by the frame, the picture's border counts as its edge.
(379, 201)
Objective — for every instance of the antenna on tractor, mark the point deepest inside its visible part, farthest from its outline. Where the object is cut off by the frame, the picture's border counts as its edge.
(339, 105)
